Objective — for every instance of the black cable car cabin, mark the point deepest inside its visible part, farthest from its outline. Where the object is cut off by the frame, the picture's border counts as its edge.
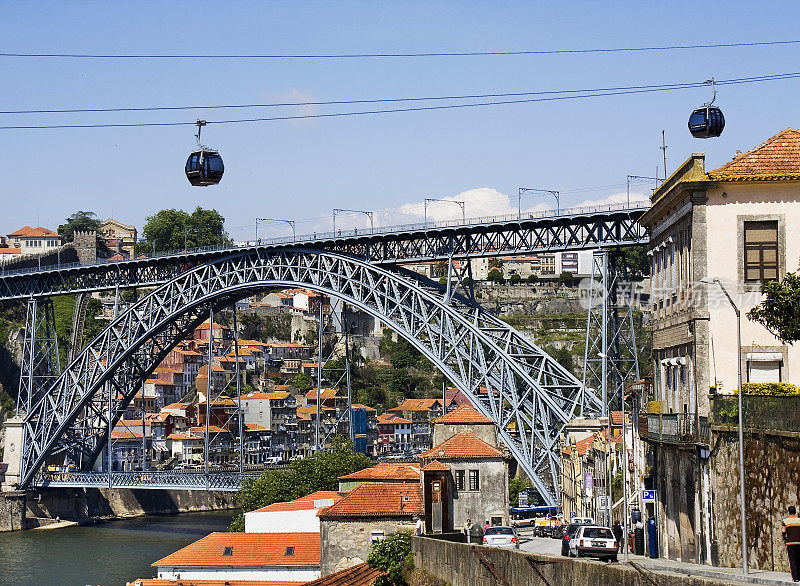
(204, 167)
(706, 122)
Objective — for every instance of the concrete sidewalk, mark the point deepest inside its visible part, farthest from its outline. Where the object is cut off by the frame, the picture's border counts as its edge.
(730, 574)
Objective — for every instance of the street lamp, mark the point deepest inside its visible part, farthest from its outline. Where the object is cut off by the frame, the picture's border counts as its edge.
(365, 212)
(522, 190)
(708, 281)
(459, 203)
(636, 178)
(290, 222)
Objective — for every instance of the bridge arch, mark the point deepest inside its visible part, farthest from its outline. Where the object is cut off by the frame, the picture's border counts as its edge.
(526, 393)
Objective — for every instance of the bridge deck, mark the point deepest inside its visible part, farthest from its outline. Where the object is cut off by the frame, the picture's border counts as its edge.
(572, 229)
(221, 481)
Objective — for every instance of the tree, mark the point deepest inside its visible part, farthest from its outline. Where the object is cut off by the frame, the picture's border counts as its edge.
(440, 269)
(566, 278)
(403, 354)
(778, 312)
(515, 486)
(636, 261)
(173, 229)
(495, 263)
(83, 222)
(533, 278)
(393, 556)
(496, 276)
(302, 382)
(320, 472)
(514, 279)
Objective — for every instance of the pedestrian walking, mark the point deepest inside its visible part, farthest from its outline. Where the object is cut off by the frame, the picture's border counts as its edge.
(791, 537)
(486, 526)
(419, 529)
(618, 534)
(468, 529)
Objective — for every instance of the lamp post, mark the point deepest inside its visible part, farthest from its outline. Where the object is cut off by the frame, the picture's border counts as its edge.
(743, 529)
(462, 204)
(523, 190)
(636, 178)
(365, 212)
(290, 222)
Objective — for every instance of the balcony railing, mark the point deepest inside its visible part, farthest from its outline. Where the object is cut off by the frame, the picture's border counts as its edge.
(758, 412)
(678, 428)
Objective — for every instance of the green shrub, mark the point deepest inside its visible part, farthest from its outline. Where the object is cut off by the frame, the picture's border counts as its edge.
(771, 389)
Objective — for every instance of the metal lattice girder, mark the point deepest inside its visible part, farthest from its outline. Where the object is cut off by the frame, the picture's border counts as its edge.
(40, 361)
(528, 395)
(589, 229)
(152, 480)
(610, 360)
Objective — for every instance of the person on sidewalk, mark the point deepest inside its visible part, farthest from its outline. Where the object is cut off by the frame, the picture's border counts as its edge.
(618, 534)
(468, 528)
(791, 537)
(486, 526)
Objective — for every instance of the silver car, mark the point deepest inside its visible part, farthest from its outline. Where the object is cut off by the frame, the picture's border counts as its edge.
(501, 537)
(594, 541)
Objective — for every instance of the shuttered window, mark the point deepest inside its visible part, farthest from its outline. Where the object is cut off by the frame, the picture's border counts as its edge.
(760, 251)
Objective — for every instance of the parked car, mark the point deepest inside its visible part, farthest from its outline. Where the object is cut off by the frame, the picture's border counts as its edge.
(501, 537)
(593, 541)
(566, 535)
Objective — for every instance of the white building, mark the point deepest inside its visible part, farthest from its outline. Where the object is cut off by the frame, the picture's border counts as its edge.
(294, 516)
(34, 240)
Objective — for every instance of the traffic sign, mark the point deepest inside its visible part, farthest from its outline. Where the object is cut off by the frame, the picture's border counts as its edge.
(649, 496)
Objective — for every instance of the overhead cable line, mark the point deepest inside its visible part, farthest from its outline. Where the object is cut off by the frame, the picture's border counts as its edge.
(572, 96)
(389, 55)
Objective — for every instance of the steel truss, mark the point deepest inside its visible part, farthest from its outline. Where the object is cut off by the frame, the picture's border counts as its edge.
(40, 361)
(610, 360)
(579, 231)
(221, 481)
(528, 395)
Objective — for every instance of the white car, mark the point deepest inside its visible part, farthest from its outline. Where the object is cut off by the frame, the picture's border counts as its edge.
(593, 541)
(501, 537)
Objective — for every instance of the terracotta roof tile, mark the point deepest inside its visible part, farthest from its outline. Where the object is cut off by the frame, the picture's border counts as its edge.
(248, 549)
(775, 159)
(28, 232)
(379, 499)
(305, 503)
(417, 405)
(463, 445)
(386, 471)
(464, 414)
(360, 406)
(360, 575)
(386, 418)
(436, 466)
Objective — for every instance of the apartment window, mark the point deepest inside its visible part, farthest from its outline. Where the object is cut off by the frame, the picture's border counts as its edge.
(760, 251)
(474, 480)
(459, 480)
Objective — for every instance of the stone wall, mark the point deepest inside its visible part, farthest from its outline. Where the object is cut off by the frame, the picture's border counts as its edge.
(77, 504)
(772, 483)
(458, 564)
(491, 498)
(347, 543)
(12, 510)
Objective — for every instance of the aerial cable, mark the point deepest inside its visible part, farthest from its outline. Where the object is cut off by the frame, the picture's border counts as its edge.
(585, 95)
(401, 55)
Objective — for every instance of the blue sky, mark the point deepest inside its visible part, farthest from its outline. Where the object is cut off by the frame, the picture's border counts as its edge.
(303, 169)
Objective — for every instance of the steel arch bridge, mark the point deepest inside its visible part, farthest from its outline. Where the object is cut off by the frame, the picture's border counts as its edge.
(528, 395)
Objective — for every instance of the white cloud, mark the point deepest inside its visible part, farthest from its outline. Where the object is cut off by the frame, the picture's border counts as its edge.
(637, 198)
(291, 96)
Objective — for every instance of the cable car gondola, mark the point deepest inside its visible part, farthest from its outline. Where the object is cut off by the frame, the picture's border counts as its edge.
(707, 121)
(204, 166)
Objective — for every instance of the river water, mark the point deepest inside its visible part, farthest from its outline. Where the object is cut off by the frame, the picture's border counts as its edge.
(108, 554)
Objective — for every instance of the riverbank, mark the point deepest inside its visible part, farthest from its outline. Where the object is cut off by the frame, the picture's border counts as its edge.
(107, 553)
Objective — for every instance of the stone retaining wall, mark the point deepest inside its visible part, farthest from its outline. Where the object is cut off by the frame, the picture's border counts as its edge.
(458, 564)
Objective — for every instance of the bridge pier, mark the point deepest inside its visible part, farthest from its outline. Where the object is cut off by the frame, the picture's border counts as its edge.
(12, 454)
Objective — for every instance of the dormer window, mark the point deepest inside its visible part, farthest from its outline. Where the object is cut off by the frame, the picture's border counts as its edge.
(228, 551)
(289, 551)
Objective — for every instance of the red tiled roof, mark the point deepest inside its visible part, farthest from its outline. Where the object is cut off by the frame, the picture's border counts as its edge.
(464, 414)
(583, 445)
(10, 251)
(28, 232)
(775, 159)
(379, 499)
(416, 405)
(616, 418)
(324, 394)
(360, 575)
(360, 406)
(386, 471)
(182, 436)
(305, 503)
(436, 466)
(125, 434)
(248, 549)
(463, 445)
(384, 418)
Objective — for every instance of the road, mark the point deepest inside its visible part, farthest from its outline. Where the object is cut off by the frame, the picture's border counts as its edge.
(539, 544)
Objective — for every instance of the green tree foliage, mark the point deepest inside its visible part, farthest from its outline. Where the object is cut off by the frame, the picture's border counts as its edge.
(320, 472)
(495, 263)
(514, 279)
(302, 382)
(253, 326)
(635, 261)
(403, 354)
(562, 356)
(533, 278)
(516, 486)
(440, 269)
(496, 276)
(566, 278)
(778, 312)
(443, 280)
(83, 222)
(171, 229)
(393, 556)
